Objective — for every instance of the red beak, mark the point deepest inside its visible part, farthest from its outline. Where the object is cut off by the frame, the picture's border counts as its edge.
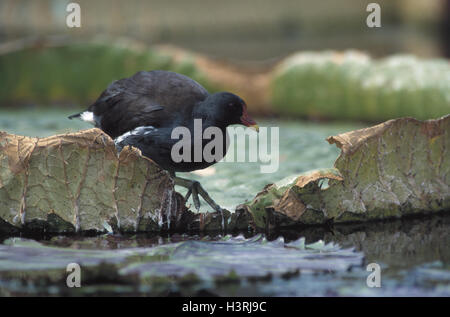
(247, 120)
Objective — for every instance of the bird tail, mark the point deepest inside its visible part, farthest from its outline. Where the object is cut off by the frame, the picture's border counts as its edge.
(75, 116)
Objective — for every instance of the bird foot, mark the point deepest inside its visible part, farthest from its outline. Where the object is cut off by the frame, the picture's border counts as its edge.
(195, 189)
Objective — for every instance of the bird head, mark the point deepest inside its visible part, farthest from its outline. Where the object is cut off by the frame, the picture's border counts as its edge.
(229, 108)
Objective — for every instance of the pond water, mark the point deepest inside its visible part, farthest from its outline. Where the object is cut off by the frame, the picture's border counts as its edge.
(413, 254)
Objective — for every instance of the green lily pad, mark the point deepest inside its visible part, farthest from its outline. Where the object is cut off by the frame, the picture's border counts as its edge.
(398, 168)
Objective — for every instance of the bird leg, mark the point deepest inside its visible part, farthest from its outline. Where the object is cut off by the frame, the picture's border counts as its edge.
(195, 188)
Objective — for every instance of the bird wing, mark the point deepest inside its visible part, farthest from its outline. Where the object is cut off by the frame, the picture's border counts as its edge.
(146, 99)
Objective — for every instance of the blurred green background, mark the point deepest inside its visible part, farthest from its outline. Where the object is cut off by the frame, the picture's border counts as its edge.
(245, 46)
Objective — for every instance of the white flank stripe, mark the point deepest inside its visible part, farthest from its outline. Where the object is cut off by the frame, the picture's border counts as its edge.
(138, 131)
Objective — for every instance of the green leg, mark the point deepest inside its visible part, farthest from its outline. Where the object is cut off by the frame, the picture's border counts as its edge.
(195, 188)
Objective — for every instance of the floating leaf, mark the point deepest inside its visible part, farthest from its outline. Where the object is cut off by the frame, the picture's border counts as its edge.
(254, 257)
(393, 169)
(78, 182)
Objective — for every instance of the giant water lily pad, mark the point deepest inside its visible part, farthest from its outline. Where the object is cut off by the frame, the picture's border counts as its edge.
(78, 182)
(397, 168)
(352, 86)
(254, 257)
(224, 260)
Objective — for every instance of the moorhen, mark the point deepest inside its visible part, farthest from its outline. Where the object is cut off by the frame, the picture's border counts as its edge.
(144, 109)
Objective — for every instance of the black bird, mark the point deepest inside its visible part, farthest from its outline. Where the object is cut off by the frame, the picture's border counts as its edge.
(144, 109)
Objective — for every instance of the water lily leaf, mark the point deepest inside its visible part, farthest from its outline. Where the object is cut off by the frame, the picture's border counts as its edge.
(78, 182)
(393, 169)
(246, 257)
(350, 85)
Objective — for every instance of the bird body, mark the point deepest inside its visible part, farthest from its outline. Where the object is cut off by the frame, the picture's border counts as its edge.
(145, 110)
(146, 99)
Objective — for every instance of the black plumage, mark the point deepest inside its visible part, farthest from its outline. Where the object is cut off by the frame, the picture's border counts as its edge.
(143, 110)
